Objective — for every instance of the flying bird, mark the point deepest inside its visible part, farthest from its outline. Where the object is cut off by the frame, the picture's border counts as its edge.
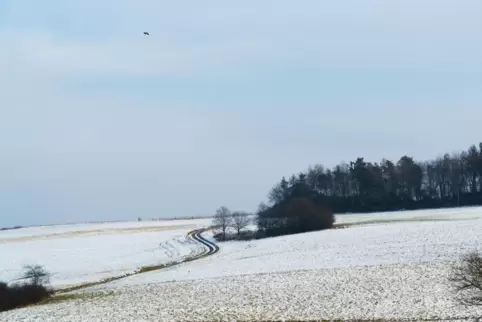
(146, 33)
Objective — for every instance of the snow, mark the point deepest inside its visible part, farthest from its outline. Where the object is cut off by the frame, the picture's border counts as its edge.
(434, 214)
(109, 226)
(387, 270)
(390, 292)
(75, 254)
(370, 245)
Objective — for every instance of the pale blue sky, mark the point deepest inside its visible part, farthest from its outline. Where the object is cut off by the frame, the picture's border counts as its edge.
(98, 122)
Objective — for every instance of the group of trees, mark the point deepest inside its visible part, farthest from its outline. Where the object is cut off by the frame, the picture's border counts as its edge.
(292, 215)
(361, 186)
(307, 201)
(225, 220)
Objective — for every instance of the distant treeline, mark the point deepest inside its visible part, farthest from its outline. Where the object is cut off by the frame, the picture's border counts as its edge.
(11, 228)
(360, 186)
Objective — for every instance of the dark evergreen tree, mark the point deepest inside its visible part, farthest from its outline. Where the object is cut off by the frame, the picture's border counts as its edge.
(361, 186)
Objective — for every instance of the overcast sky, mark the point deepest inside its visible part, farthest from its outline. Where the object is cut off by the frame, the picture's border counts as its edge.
(99, 122)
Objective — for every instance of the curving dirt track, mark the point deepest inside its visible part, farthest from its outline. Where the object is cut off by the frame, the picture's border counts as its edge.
(212, 248)
(195, 235)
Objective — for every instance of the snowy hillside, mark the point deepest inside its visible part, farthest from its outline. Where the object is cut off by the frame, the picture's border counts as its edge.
(76, 254)
(371, 245)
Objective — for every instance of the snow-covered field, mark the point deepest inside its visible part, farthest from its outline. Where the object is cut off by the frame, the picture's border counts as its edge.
(373, 245)
(379, 270)
(76, 254)
(432, 214)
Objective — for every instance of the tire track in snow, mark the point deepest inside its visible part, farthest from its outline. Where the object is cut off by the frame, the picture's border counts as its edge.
(194, 235)
(212, 247)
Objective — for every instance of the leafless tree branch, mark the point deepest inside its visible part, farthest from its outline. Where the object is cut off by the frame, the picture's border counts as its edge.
(467, 279)
(240, 221)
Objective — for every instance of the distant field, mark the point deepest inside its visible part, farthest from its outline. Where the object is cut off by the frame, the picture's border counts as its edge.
(110, 226)
(82, 253)
(448, 214)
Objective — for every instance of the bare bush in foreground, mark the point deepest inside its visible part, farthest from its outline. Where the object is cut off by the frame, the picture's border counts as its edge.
(36, 275)
(467, 279)
(32, 291)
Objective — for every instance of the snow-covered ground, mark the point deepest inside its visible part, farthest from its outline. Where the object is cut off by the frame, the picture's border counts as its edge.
(76, 254)
(382, 270)
(431, 214)
(372, 245)
(416, 292)
(94, 228)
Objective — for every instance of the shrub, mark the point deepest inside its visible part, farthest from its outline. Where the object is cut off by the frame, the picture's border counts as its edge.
(242, 236)
(32, 291)
(20, 295)
(294, 215)
(467, 279)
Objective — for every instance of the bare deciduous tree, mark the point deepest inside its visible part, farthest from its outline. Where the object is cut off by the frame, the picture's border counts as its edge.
(467, 279)
(36, 274)
(222, 220)
(240, 221)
